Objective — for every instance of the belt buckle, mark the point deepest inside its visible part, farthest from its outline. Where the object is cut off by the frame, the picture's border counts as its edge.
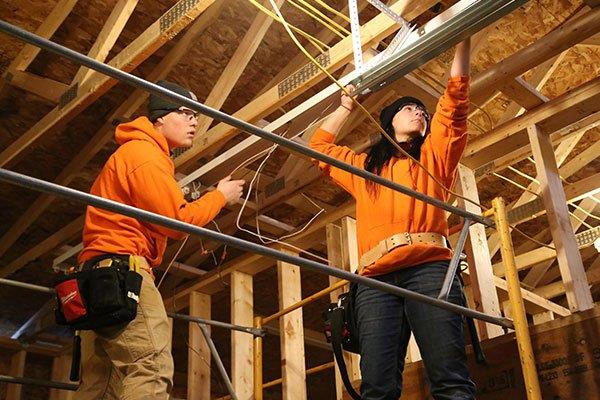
(408, 238)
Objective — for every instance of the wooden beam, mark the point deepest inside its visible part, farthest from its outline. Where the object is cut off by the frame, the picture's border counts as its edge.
(107, 37)
(558, 288)
(106, 132)
(236, 65)
(553, 115)
(293, 364)
(531, 299)
(306, 77)
(46, 88)
(199, 357)
(569, 259)
(61, 368)
(242, 344)
(485, 84)
(573, 193)
(17, 368)
(77, 98)
(565, 171)
(482, 277)
(536, 273)
(592, 41)
(523, 93)
(52, 22)
(57, 239)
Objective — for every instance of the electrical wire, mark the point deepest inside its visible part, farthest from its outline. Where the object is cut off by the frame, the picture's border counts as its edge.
(313, 40)
(363, 109)
(329, 20)
(332, 10)
(316, 18)
(162, 278)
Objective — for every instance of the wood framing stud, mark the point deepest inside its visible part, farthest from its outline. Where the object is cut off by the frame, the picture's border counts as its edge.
(199, 359)
(17, 368)
(242, 313)
(485, 296)
(293, 368)
(569, 259)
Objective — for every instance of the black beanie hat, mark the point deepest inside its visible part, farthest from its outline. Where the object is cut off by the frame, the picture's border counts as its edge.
(159, 106)
(387, 114)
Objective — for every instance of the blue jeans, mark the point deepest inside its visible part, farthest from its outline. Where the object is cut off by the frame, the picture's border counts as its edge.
(385, 322)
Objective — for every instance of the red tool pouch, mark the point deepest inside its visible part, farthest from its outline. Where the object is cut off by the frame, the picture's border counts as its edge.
(71, 301)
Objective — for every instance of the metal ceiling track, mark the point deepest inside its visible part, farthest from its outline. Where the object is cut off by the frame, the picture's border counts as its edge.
(421, 47)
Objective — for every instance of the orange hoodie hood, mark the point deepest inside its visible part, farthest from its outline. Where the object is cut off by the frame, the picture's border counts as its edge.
(141, 129)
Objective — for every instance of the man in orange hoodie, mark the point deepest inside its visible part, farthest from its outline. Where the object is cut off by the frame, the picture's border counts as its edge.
(402, 241)
(134, 361)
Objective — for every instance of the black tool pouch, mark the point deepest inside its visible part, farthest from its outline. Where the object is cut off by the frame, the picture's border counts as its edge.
(98, 297)
(341, 330)
(344, 312)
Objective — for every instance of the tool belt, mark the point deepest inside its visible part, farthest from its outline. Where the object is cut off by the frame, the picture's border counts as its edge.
(397, 240)
(104, 292)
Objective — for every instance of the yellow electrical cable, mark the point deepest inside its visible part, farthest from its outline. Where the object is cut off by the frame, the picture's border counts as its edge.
(313, 40)
(325, 17)
(364, 110)
(332, 10)
(316, 18)
(383, 132)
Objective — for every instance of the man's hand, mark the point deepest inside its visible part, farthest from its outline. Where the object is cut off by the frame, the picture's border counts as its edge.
(232, 190)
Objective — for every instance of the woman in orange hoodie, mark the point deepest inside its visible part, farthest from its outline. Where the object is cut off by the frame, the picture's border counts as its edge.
(134, 361)
(402, 241)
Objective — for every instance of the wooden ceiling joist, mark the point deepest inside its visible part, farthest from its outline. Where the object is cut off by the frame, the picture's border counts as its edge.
(106, 132)
(565, 36)
(336, 57)
(54, 20)
(78, 98)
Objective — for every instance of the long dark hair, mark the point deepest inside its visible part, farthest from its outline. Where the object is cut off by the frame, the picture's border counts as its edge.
(383, 151)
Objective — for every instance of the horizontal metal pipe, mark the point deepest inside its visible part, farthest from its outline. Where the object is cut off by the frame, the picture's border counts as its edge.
(152, 88)
(245, 329)
(465, 23)
(250, 330)
(146, 216)
(25, 285)
(38, 382)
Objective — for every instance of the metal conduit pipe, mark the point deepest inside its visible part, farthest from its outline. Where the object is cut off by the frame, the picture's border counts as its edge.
(26, 285)
(146, 216)
(140, 83)
(38, 382)
(246, 329)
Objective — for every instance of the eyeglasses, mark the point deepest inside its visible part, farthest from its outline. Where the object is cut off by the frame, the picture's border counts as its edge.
(191, 114)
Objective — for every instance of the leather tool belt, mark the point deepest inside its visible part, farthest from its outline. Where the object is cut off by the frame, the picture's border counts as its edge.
(400, 239)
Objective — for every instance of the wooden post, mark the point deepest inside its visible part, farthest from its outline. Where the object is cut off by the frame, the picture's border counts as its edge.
(199, 358)
(542, 317)
(484, 292)
(61, 368)
(242, 313)
(293, 367)
(342, 252)
(578, 292)
(17, 368)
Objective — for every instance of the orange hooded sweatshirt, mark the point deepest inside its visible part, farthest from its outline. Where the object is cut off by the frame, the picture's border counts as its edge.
(390, 212)
(140, 173)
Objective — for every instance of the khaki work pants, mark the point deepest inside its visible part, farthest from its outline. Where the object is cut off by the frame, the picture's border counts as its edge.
(133, 362)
